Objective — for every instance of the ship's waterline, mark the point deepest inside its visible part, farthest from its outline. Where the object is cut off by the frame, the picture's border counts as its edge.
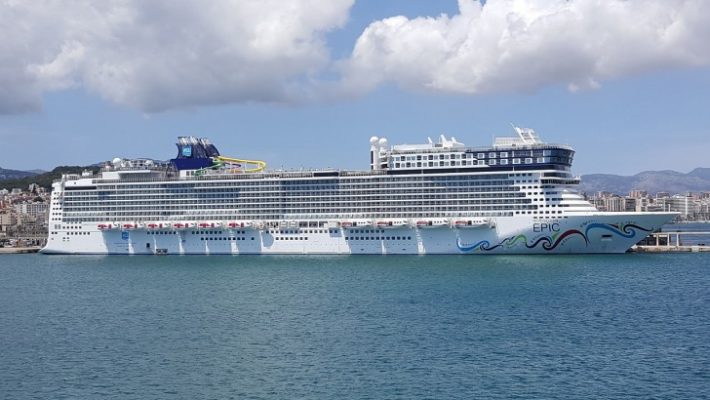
(515, 197)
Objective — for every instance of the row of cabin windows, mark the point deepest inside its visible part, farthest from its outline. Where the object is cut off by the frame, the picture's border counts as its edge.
(502, 154)
(378, 238)
(231, 238)
(463, 163)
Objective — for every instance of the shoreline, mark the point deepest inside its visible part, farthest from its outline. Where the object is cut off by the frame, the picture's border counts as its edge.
(19, 250)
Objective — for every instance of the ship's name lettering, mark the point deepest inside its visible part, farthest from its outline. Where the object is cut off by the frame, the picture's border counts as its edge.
(546, 227)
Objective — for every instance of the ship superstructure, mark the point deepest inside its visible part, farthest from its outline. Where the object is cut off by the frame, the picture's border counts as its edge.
(517, 196)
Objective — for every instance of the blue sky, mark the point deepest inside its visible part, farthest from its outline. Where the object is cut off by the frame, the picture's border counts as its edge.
(625, 105)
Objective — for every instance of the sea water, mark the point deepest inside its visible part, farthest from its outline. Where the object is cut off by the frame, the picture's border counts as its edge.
(360, 327)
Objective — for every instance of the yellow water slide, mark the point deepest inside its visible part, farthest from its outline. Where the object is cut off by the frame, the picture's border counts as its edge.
(257, 164)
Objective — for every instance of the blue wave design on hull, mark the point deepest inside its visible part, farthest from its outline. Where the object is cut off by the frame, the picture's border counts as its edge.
(549, 243)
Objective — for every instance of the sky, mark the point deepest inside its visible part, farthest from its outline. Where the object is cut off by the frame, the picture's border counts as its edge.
(305, 83)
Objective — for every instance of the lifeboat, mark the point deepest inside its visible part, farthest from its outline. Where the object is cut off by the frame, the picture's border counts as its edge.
(365, 223)
(104, 227)
(430, 223)
(469, 223)
(180, 225)
(396, 223)
(153, 225)
(235, 224)
(346, 224)
(129, 226)
(206, 225)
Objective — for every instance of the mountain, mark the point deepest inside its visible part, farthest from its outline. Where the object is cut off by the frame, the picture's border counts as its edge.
(45, 179)
(13, 174)
(697, 180)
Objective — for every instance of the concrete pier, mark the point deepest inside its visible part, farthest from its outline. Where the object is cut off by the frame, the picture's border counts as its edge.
(674, 242)
(18, 250)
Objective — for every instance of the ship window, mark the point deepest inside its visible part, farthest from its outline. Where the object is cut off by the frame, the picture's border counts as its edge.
(491, 155)
(528, 161)
(491, 162)
(504, 154)
(516, 161)
(504, 162)
(481, 155)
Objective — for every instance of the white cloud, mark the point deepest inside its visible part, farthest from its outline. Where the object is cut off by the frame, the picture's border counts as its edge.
(161, 54)
(523, 45)
(164, 54)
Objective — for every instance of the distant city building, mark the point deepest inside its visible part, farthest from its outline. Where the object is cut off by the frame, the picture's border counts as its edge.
(685, 205)
(35, 210)
(691, 206)
(7, 221)
(638, 194)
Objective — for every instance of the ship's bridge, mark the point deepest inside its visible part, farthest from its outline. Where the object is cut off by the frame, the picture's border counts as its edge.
(524, 151)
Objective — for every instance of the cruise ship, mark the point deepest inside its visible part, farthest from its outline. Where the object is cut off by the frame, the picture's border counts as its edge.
(517, 196)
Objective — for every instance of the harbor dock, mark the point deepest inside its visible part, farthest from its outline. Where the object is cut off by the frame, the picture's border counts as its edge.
(19, 250)
(674, 242)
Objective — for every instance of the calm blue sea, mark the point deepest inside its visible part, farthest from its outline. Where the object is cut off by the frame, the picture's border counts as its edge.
(364, 327)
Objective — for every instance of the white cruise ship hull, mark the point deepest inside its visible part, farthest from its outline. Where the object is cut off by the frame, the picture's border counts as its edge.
(583, 233)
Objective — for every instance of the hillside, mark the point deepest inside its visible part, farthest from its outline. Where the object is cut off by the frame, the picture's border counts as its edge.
(13, 174)
(697, 180)
(45, 179)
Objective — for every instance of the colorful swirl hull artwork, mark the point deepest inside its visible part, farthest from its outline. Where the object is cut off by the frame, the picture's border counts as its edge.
(552, 242)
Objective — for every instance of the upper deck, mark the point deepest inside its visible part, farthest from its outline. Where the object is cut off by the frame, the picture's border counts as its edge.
(199, 159)
(524, 151)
